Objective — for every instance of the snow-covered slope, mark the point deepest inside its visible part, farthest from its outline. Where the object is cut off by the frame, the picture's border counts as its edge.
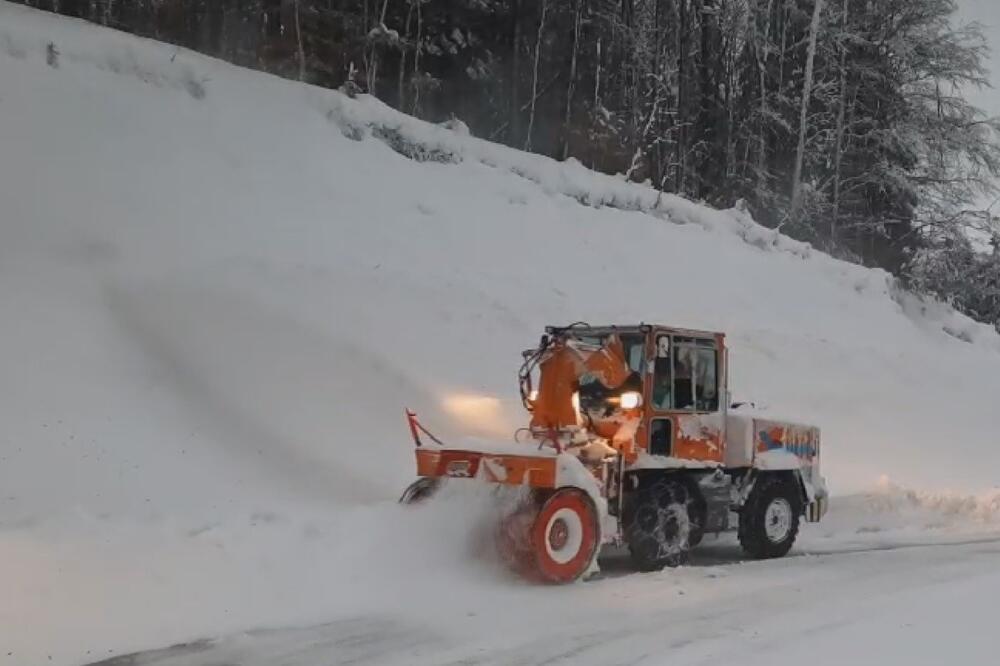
(219, 289)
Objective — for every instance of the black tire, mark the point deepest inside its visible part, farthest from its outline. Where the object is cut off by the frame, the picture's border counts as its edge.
(659, 520)
(697, 511)
(769, 521)
(420, 490)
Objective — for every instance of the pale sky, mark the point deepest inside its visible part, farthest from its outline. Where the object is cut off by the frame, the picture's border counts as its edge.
(986, 12)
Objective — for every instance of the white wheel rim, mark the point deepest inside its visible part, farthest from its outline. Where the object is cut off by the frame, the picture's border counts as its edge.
(574, 536)
(778, 520)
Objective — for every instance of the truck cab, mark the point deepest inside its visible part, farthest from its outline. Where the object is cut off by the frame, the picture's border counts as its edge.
(686, 433)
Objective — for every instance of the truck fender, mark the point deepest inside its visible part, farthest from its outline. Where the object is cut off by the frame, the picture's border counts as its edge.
(794, 475)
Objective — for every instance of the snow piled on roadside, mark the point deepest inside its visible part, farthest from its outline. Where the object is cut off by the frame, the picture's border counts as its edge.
(220, 289)
(922, 509)
(891, 516)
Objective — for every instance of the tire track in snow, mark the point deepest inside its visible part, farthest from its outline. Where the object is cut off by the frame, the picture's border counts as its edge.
(690, 628)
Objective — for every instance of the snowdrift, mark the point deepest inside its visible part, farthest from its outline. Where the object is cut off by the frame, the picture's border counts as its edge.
(220, 289)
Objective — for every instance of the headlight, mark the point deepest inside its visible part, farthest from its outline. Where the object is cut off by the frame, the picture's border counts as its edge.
(533, 396)
(576, 401)
(630, 399)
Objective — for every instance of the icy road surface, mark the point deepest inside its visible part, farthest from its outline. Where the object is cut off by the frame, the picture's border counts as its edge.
(911, 605)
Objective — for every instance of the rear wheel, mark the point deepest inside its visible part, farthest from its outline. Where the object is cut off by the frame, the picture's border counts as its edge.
(660, 521)
(769, 521)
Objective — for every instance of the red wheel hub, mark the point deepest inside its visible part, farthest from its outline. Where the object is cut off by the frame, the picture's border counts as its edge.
(558, 534)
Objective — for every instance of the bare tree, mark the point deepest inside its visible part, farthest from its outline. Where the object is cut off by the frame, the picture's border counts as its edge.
(838, 150)
(571, 84)
(298, 42)
(417, 49)
(762, 51)
(804, 114)
(534, 74)
(377, 37)
(401, 87)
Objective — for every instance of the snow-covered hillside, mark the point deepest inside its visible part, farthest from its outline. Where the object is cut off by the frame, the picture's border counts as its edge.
(219, 289)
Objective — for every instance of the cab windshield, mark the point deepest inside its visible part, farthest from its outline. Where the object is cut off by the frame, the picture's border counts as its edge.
(633, 343)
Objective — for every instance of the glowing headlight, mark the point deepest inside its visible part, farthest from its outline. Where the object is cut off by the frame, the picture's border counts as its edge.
(576, 402)
(630, 399)
(533, 396)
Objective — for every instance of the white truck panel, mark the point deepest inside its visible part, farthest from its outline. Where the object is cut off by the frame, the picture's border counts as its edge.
(739, 440)
(748, 435)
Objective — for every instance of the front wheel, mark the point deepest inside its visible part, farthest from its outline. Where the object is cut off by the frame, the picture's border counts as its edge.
(553, 537)
(769, 521)
(420, 490)
(565, 536)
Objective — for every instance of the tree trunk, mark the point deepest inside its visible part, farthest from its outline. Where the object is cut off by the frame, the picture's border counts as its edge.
(630, 72)
(372, 60)
(762, 49)
(416, 59)
(636, 161)
(597, 75)
(804, 114)
(841, 112)
(571, 85)
(682, 78)
(534, 74)
(784, 46)
(514, 120)
(301, 52)
(710, 165)
(401, 94)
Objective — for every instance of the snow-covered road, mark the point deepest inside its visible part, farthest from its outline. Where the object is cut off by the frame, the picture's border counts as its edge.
(886, 604)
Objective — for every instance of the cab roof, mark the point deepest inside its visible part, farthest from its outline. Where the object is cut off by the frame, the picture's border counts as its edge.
(584, 328)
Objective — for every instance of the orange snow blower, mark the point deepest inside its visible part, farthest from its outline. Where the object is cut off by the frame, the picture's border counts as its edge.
(633, 442)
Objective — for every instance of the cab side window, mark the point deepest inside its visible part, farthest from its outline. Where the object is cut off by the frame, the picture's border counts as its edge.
(707, 385)
(660, 437)
(685, 367)
(663, 374)
(695, 374)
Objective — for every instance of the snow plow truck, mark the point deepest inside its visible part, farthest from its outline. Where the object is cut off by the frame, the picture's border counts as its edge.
(632, 442)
